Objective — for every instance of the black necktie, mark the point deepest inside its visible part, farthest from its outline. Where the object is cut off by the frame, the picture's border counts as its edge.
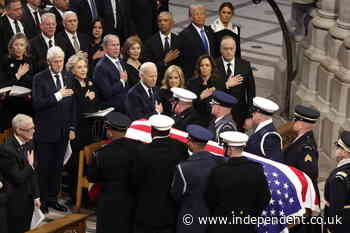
(17, 27)
(229, 71)
(151, 96)
(58, 83)
(166, 45)
(36, 17)
(50, 43)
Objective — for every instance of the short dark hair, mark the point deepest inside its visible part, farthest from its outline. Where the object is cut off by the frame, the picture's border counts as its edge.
(8, 2)
(228, 5)
(98, 19)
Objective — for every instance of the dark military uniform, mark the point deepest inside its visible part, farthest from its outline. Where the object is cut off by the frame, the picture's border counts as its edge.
(190, 181)
(266, 142)
(111, 167)
(337, 196)
(246, 192)
(337, 191)
(187, 117)
(152, 176)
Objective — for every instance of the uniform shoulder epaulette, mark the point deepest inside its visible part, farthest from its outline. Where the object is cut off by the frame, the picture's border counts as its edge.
(341, 175)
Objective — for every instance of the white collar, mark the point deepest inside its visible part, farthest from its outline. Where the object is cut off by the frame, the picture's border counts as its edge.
(70, 35)
(198, 28)
(163, 35)
(232, 62)
(59, 11)
(218, 119)
(343, 162)
(47, 38)
(11, 20)
(145, 87)
(263, 124)
(113, 60)
(218, 26)
(31, 9)
(19, 140)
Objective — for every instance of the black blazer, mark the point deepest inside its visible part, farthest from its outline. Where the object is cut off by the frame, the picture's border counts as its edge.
(83, 10)
(110, 89)
(59, 19)
(6, 34)
(53, 119)
(38, 51)
(244, 92)
(125, 24)
(144, 14)
(153, 51)
(192, 47)
(33, 29)
(138, 104)
(66, 45)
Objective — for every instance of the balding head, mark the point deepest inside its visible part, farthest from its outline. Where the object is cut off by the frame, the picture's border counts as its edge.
(228, 48)
(148, 74)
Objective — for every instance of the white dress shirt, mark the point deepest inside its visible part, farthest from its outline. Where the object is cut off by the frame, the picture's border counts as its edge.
(32, 13)
(46, 39)
(120, 69)
(70, 37)
(13, 27)
(232, 66)
(262, 125)
(58, 94)
(162, 37)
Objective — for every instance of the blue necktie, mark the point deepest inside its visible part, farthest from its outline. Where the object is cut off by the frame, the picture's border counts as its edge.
(204, 40)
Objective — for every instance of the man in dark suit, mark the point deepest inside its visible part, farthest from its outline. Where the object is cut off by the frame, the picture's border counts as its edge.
(21, 179)
(152, 176)
(197, 39)
(87, 11)
(265, 141)
(117, 18)
(110, 77)
(42, 42)
(144, 15)
(71, 40)
(55, 119)
(31, 17)
(190, 180)
(142, 100)
(235, 77)
(10, 24)
(163, 47)
(59, 7)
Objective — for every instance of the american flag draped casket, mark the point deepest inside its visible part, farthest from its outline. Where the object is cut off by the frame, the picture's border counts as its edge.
(292, 190)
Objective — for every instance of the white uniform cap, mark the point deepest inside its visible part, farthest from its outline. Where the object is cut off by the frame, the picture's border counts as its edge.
(234, 138)
(265, 105)
(161, 122)
(183, 94)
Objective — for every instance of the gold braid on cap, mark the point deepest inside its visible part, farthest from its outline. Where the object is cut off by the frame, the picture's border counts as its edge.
(343, 145)
(304, 117)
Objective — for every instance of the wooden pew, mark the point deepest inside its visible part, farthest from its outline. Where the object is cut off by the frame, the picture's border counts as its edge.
(70, 223)
(85, 157)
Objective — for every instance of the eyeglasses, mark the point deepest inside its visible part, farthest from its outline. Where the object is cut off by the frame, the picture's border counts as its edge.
(27, 130)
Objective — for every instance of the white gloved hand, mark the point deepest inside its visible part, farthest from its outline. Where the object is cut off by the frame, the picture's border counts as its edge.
(1, 185)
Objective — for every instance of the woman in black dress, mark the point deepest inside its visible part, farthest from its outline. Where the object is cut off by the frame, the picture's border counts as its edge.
(203, 85)
(173, 77)
(96, 51)
(131, 55)
(17, 69)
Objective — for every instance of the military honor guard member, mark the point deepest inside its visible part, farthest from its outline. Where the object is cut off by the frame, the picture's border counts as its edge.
(111, 167)
(190, 180)
(222, 104)
(185, 113)
(337, 189)
(265, 141)
(302, 153)
(245, 193)
(152, 175)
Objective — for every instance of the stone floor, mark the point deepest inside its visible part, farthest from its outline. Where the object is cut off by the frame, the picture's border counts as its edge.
(261, 44)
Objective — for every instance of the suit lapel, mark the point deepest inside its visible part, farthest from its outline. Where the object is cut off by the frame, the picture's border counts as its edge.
(111, 65)
(159, 44)
(197, 36)
(68, 41)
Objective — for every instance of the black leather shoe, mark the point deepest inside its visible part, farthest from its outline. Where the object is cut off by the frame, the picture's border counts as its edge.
(57, 206)
(44, 209)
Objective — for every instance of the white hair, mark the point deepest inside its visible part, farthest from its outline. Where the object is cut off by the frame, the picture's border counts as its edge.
(20, 120)
(53, 52)
(48, 15)
(194, 7)
(67, 13)
(108, 38)
(147, 65)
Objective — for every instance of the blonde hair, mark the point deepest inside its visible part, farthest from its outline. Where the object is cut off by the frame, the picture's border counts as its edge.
(171, 69)
(74, 59)
(18, 36)
(131, 41)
